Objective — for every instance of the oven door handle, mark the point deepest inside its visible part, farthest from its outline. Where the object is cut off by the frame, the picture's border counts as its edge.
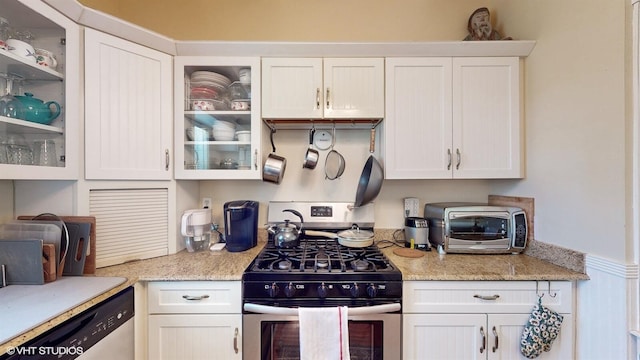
(363, 310)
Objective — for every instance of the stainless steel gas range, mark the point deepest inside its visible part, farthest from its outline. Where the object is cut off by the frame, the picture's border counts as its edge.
(320, 272)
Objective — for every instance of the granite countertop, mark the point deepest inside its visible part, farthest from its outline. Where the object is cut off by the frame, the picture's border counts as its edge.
(205, 265)
(542, 263)
(434, 266)
(223, 265)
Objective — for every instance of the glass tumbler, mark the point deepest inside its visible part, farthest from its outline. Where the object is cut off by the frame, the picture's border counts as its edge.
(44, 153)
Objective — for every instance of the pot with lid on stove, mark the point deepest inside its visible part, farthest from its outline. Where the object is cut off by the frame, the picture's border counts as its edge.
(287, 235)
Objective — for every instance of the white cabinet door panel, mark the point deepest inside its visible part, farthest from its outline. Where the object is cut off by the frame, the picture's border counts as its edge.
(292, 88)
(354, 88)
(509, 328)
(195, 337)
(486, 117)
(443, 336)
(418, 118)
(127, 109)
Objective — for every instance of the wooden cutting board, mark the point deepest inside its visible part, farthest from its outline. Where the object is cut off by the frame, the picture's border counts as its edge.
(90, 262)
(410, 253)
(525, 203)
(48, 262)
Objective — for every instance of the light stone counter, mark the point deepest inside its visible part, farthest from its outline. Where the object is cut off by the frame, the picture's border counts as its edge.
(204, 265)
(433, 266)
(224, 265)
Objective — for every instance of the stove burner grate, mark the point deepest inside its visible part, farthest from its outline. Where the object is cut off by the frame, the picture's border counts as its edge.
(320, 255)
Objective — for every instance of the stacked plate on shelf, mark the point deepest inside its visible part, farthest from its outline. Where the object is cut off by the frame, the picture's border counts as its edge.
(210, 79)
(207, 91)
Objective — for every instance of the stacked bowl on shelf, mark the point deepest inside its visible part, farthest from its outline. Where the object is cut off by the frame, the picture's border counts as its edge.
(224, 130)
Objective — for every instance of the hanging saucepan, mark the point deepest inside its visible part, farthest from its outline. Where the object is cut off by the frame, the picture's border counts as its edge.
(354, 237)
(334, 164)
(312, 155)
(371, 178)
(274, 166)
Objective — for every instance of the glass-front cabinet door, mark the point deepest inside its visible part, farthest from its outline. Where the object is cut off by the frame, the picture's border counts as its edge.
(217, 125)
(39, 87)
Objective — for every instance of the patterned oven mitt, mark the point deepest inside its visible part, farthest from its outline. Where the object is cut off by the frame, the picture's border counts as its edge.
(541, 330)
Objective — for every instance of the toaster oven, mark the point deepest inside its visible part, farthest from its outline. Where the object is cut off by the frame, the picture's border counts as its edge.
(476, 228)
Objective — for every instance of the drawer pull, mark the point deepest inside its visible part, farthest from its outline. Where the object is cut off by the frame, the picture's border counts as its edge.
(193, 298)
(485, 297)
(484, 340)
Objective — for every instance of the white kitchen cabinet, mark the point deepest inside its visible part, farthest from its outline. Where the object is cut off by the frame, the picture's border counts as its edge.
(453, 118)
(316, 88)
(128, 117)
(195, 320)
(450, 320)
(20, 139)
(200, 153)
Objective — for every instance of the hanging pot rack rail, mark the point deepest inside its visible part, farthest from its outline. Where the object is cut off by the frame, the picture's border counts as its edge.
(306, 124)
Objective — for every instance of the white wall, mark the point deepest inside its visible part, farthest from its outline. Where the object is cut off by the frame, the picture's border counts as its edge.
(310, 185)
(575, 122)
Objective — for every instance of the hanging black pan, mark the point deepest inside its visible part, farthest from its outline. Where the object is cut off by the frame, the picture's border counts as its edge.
(371, 178)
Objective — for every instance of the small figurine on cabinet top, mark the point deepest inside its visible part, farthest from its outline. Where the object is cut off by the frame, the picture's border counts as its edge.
(479, 26)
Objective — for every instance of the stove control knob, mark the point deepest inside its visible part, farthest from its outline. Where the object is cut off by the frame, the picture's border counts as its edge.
(372, 291)
(290, 290)
(323, 290)
(355, 290)
(273, 290)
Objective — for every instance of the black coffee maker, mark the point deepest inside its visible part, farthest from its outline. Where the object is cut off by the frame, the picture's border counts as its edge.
(241, 224)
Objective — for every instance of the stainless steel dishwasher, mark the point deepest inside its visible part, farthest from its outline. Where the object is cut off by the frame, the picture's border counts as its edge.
(104, 331)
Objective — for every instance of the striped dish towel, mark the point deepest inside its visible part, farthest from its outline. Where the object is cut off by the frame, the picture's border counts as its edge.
(324, 333)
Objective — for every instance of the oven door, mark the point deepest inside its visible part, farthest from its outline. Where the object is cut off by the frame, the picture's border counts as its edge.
(275, 336)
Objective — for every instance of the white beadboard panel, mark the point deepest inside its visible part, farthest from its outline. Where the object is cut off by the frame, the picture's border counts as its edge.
(128, 109)
(458, 296)
(354, 88)
(487, 127)
(131, 224)
(438, 336)
(606, 305)
(418, 111)
(291, 87)
(508, 330)
(201, 336)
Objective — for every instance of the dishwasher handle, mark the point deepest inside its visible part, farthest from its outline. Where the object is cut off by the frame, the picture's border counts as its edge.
(364, 310)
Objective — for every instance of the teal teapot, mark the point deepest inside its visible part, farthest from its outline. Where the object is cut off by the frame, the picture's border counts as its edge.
(38, 111)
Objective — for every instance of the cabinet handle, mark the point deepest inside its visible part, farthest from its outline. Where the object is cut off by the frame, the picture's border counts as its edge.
(193, 298)
(458, 157)
(484, 340)
(235, 341)
(166, 159)
(255, 159)
(495, 335)
(317, 98)
(449, 155)
(328, 98)
(485, 297)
